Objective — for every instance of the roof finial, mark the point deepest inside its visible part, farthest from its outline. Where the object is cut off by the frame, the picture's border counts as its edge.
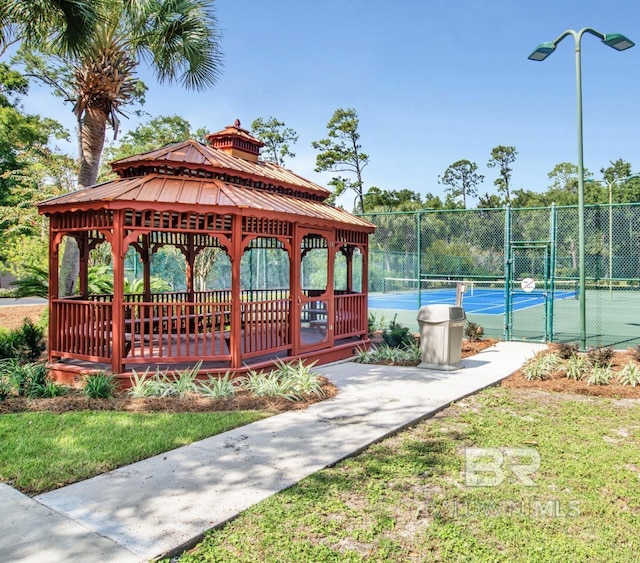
(237, 123)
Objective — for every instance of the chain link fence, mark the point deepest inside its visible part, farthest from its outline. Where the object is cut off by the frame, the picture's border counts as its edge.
(418, 258)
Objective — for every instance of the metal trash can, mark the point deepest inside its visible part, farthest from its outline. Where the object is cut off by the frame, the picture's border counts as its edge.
(441, 329)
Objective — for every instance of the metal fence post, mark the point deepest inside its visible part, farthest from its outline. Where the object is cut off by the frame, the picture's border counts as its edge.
(507, 273)
(552, 271)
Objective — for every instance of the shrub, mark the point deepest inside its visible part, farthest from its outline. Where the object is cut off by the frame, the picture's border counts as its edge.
(141, 385)
(303, 380)
(577, 367)
(25, 377)
(566, 350)
(630, 374)
(540, 367)
(8, 343)
(99, 386)
(47, 390)
(364, 356)
(25, 343)
(600, 375)
(290, 381)
(32, 340)
(218, 387)
(375, 323)
(268, 384)
(6, 386)
(397, 336)
(184, 381)
(473, 331)
(146, 385)
(161, 384)
(600, 357)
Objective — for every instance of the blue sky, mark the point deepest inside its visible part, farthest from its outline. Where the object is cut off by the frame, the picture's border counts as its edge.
(433, 81)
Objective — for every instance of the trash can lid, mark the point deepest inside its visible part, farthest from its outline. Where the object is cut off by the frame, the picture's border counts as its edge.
(440, 313)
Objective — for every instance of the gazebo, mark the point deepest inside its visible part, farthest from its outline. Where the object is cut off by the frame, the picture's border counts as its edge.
(290, 278)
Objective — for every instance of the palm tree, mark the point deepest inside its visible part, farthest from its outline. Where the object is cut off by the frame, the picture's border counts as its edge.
(178, 39)
(65, 25)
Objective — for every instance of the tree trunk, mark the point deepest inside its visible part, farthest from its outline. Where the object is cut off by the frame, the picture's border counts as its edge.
(92, 133)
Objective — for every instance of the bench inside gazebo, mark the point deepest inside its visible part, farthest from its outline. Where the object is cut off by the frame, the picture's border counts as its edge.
(269, 269)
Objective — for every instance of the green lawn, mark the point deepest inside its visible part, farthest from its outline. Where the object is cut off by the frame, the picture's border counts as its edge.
(40, 451)
(407, 498)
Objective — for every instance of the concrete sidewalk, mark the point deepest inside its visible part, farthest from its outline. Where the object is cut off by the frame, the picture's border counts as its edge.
(164, 503)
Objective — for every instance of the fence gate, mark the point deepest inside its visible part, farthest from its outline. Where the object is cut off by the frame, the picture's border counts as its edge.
(530, 292)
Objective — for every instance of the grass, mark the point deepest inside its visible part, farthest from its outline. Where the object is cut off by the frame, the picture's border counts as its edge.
(41, 451)
(406, 498)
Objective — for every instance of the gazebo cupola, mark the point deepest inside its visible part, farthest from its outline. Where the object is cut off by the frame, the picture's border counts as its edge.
(254, 264)
(237, 142)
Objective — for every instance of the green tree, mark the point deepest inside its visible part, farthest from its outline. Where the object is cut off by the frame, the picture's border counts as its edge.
(180, 41)
(502, 157)
(462, 179)
(28, 170)
(64, 25)
(277, 138)
(342, 152)
(564, 189)
(431, 201)
(377, 199)
(153, 134)
(528, 198)
(624, 191)
(489, 201)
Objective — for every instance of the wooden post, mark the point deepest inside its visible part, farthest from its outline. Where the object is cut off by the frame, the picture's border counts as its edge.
(236, 304)
(83, 249)
(54, 273)
(190, 256)
(145, 256)
(365, 289)
(331, 260)
(349, 256)
(117, 327)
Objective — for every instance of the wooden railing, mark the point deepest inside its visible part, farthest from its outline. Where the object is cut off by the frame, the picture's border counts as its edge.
(265, 327)
(83, 329)
(177, 331)
(350, 315)
(164, 329)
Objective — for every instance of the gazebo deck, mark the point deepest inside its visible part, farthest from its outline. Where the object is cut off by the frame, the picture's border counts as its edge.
(69, 370)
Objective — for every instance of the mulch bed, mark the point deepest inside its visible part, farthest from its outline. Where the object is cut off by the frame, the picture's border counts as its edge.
(193, 403)
(559, 383)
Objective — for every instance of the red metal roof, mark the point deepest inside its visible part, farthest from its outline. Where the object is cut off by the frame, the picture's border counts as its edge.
(188, 191)
(193, 154)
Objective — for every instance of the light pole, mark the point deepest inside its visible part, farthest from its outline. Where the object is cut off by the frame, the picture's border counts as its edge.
(620, 43)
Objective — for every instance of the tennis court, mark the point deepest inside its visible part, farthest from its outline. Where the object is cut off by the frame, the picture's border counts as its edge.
(483, 297)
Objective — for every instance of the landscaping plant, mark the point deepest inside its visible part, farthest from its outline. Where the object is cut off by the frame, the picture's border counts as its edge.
(540, 366)
(473, 331)
(577, 367)
(218, 387)
(397, 336)
(630, 374)
(566, 350)
(25, 344)
(600, 375)
(99, 386)
(600, 357)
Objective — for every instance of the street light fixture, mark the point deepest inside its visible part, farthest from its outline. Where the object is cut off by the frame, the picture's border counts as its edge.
(620, 43)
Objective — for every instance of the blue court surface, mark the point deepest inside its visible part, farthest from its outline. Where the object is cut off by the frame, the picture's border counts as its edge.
(483, 301)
